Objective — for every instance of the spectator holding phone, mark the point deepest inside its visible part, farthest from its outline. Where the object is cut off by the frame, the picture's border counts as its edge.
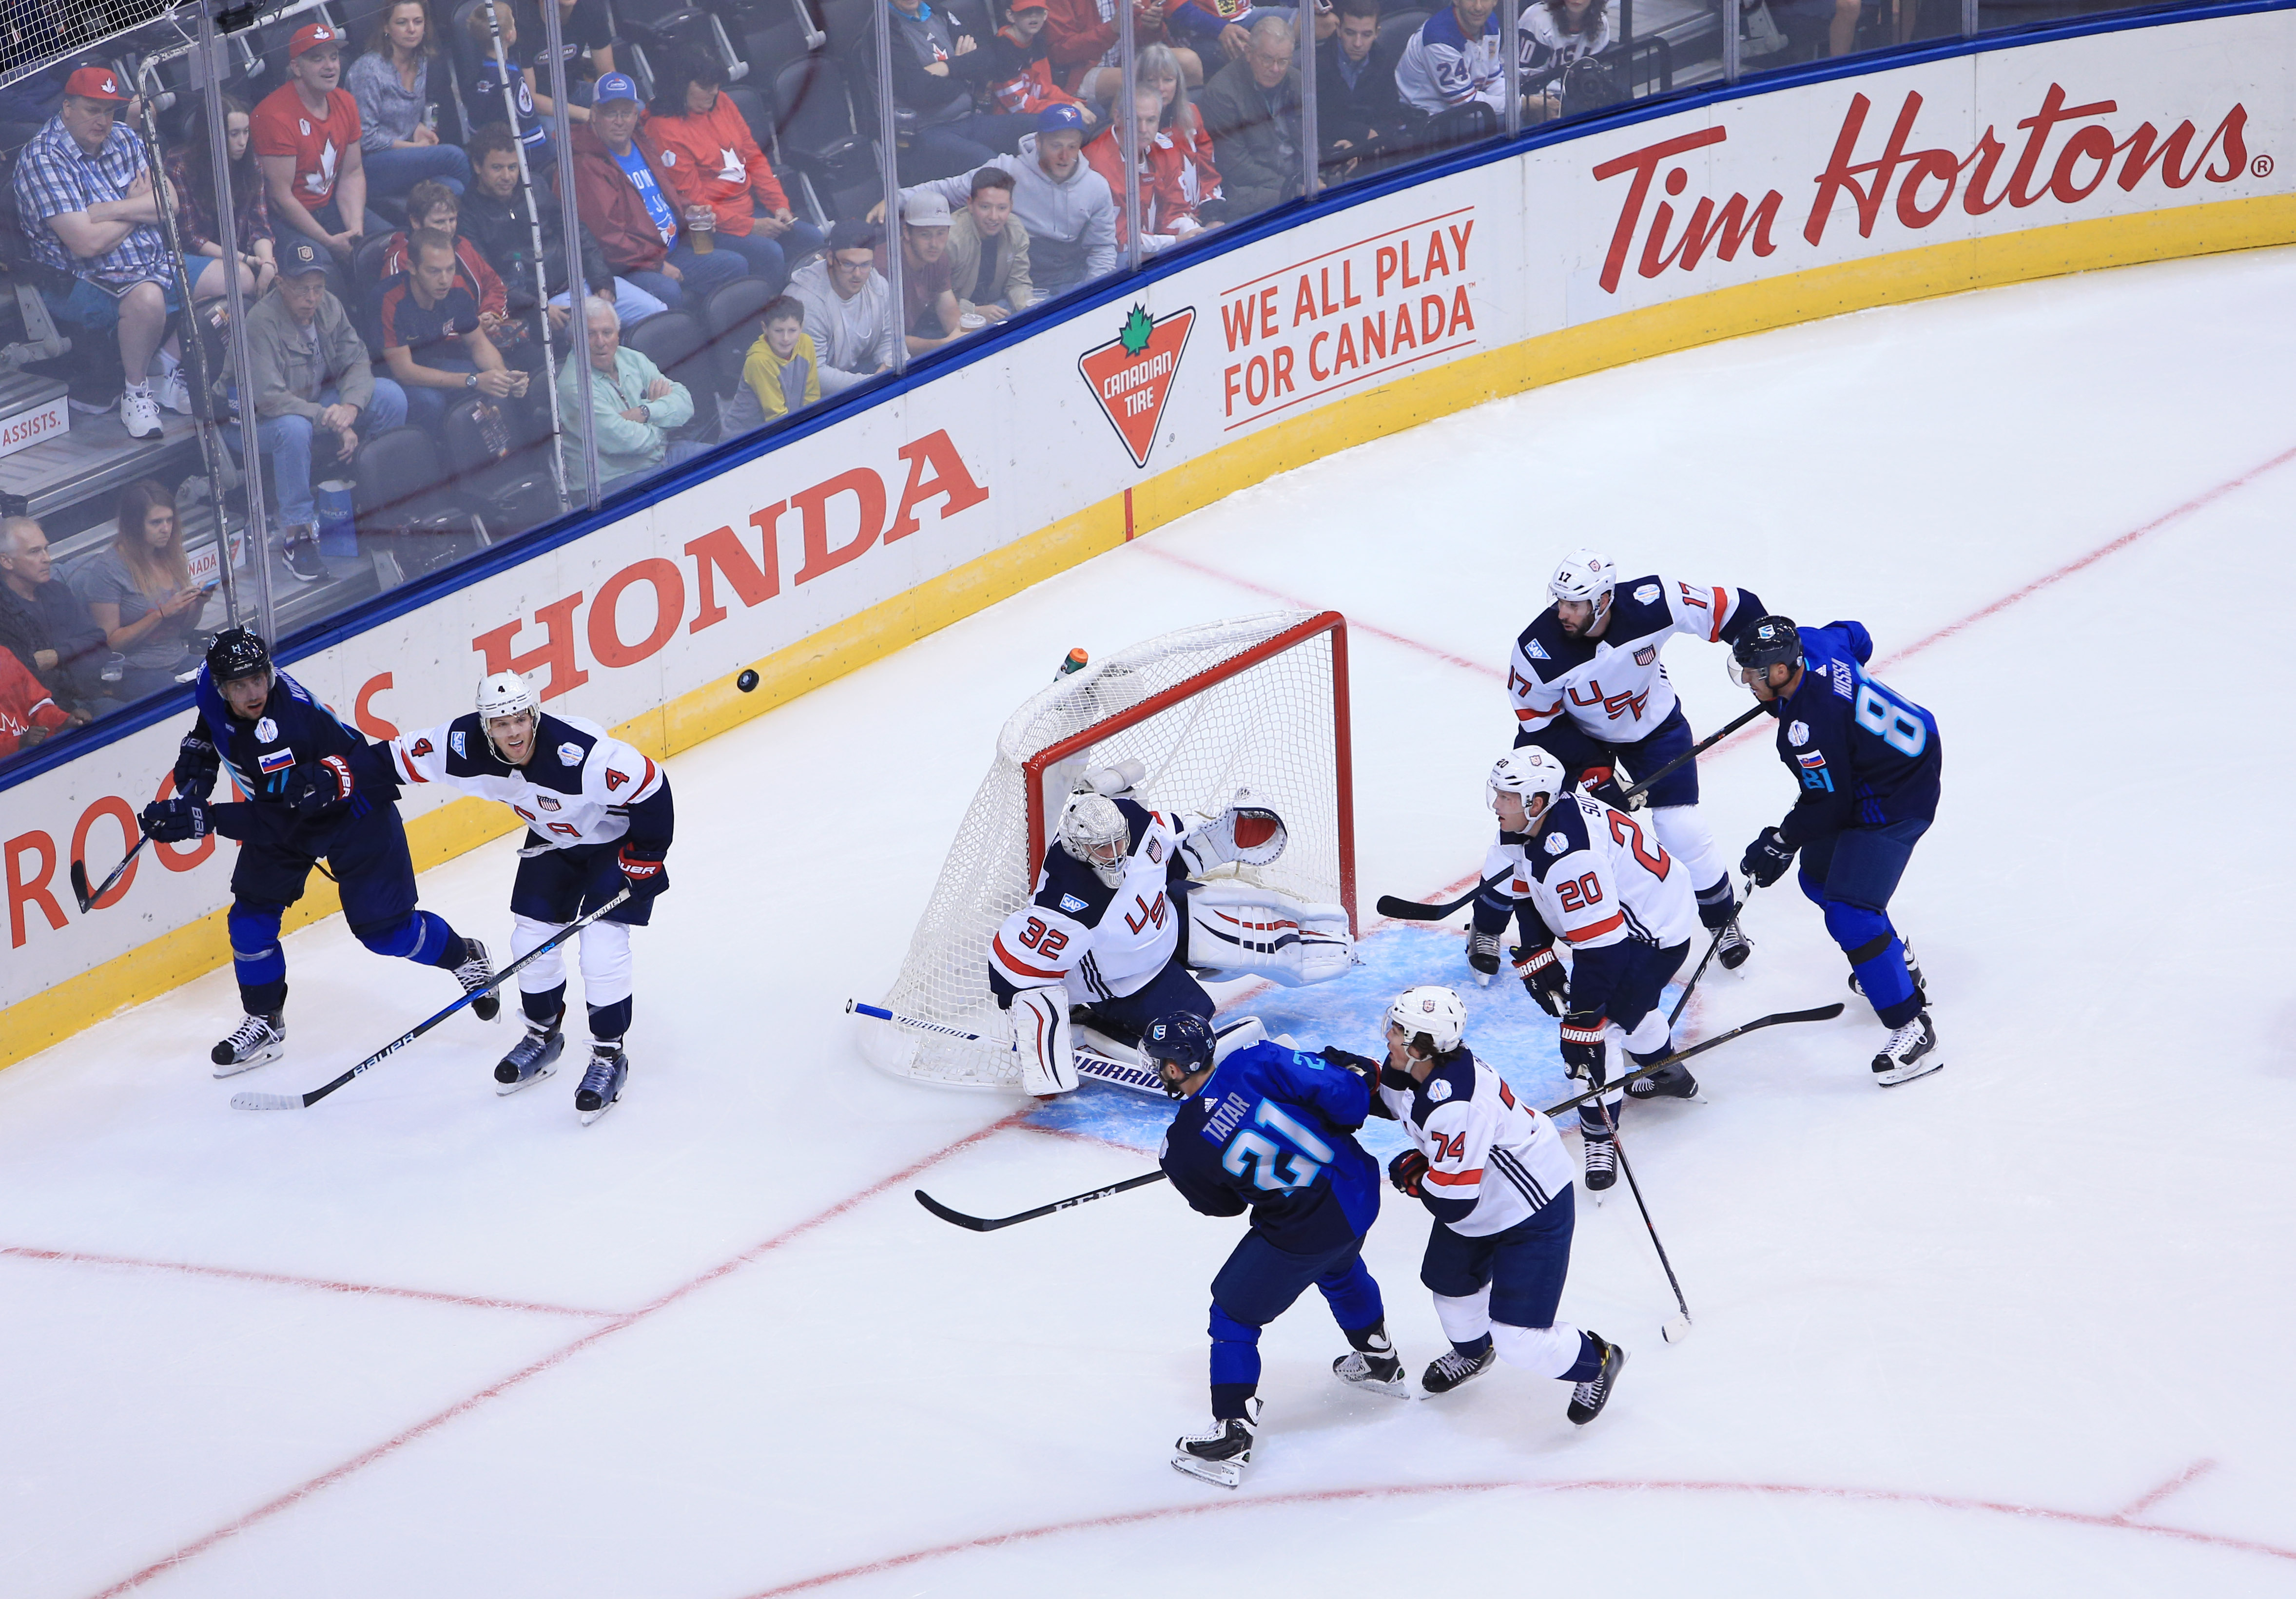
(140, 592)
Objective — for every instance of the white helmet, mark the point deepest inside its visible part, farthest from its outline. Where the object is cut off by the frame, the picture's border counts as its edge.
(1524, 772)
(504, 694)
(1438, 1013)
(1585, 577)
(1092, 831)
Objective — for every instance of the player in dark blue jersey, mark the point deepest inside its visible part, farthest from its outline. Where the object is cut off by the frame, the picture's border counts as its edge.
(1271, 1130)
(260, 725)
(1867, 759)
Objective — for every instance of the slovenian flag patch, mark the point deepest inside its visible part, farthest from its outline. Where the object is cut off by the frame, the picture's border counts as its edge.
(278, 760)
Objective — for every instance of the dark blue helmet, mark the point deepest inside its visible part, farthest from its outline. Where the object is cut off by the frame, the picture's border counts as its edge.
(236, 652)
(1772, 641)
(1184, 1039)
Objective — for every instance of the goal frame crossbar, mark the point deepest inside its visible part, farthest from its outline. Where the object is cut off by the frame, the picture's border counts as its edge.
(1034, 767)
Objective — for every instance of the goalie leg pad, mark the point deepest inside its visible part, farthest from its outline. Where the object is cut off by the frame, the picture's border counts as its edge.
(1040, 1026)
(1239, 928)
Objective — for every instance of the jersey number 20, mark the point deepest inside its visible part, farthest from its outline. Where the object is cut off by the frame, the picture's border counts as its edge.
(1267, 1163)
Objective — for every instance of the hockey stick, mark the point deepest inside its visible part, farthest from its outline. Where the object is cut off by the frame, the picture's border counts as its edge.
(79, 876)
(1693, 752)
(1411, 910)
(982, 1224)
(1089, 1062)
(298, 1101)
(1678, 1329)
(1745, 893)
(1825, 1012)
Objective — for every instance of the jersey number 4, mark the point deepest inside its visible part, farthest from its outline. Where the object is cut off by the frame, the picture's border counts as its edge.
(1267, 1163)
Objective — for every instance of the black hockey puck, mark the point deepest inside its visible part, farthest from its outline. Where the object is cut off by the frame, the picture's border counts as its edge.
(747, 681)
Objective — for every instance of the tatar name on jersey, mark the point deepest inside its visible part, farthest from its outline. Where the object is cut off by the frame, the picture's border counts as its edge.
(1484, 1146)
(1597, 876)
(573, 789)
(1101, 942)
(1615, 688)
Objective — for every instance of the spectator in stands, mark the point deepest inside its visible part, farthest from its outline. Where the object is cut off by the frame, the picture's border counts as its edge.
(83, 190)
(1217, 30)
(929, 315)
(504, 89)
(713, 162)
(46, 625)
(140, 592)
(1161, 66)
(631, 404)
(1553, 34)
(585, 38)
(941, 75)
(1064, 204)
(783, 373)
(621, 194)
(1818, 28)
(434, 208)
(1360, 113)
(1166, 216)
(1084, 35)
(1252, 110)
(497, 217)
(1021, 54)
(1452, 65)
(308, 136)
(312, 377)
(848, 312)
(432, 336)
(191, 173)
(28, 715)
(391, 83)
(989, 251)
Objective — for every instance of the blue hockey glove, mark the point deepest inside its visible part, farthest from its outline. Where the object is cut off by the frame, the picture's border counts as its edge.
(1543, 977)
(1364, 1068)
(196, 764)
(1767, 857)
(177, 821)
(313, 788)
(1407, 1172)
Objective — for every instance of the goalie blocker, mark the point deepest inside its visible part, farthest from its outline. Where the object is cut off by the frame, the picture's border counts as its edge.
(1118, 920)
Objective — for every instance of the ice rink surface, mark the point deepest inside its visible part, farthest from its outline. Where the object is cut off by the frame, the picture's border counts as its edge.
(2018, 1327)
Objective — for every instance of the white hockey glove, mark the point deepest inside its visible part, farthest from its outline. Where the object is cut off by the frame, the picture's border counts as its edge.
(1040, 1028)
(1250, 833)
(1239, 928)
(1110, 780)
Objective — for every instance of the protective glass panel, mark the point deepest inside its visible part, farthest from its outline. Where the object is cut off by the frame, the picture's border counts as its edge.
(1398, 83)
(1785, 33)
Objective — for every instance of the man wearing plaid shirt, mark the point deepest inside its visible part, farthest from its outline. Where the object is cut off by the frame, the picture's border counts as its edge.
(85, 178)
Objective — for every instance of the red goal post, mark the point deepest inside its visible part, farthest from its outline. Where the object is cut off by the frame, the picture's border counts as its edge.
(1254, 705)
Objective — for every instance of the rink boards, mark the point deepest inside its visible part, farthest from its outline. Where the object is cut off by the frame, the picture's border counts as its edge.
(824, 549)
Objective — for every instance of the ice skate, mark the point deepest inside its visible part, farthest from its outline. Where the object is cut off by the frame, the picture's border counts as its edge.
(1380, 1370)
(1483, 955)
(1734, 947)
(475, 973)
(258, 1041)
(1672, 1082)
(602, 1085)
(1913, 970)
(1588, 1397)
(1447, 1371)
(1910, 1053)
(1218, 1453)
(531, 1059)
(1602, 1159)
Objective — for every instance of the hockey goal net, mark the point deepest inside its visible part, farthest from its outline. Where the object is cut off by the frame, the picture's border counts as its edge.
(1258, 703)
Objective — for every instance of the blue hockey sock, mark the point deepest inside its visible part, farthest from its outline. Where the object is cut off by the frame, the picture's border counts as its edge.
(1231, 1401)
(256, 958)
(1235, 1355)
(543, 1009)
(610, 1021)
(1354, 1297)
(422, 937)
(1475, 1351)
(1589, 1364)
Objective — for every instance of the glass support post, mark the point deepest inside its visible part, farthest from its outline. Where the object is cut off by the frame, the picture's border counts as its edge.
(1731, 14)
(1511, 59)
(890, 159)
(578, 321)
(1119, 107)
(1303, 51)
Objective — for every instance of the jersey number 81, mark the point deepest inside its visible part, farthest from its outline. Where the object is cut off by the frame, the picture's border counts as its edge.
(1890, 722)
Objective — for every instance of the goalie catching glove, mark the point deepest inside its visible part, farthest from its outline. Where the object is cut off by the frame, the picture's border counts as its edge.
(1250, 833)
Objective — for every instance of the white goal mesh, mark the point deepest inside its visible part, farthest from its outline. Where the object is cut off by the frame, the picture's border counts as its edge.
(1258, 703)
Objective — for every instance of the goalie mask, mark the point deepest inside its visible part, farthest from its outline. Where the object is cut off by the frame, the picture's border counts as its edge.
(503, 695)
(1584, 577)
(1524, 772)
(1431, 1018)
(1093, 831)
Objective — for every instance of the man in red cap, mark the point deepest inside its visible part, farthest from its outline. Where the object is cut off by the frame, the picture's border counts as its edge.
(306, 134)
(84, 191)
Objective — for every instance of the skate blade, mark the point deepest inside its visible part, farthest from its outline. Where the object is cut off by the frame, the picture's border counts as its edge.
(1907, 1074)
(590, 1116)
(1219, 1474)
(261, 1057)
(527, 1082)
(1398, 1387)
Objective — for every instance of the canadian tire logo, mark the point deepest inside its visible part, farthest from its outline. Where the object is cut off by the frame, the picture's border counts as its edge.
(1131, 375)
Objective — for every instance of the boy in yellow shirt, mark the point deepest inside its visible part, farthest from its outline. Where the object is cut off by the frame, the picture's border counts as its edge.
(783, 372)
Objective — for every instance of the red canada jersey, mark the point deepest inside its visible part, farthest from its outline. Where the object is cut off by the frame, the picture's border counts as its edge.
(283, 124)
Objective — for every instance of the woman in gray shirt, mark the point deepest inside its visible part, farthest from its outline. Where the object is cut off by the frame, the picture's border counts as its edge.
(392, 83)
(140, 592)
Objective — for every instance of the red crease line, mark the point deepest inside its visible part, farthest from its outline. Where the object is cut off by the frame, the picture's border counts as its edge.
(233, 1274)
(2190, 1474)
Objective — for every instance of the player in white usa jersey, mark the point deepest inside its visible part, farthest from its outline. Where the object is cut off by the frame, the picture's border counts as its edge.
(1493, 1173)
(598, 815)
(1588, 686)
(1586, 871)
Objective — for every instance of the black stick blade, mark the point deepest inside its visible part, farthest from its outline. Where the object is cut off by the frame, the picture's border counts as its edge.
(1825, 1012)
(80, 891)
(955, 1217)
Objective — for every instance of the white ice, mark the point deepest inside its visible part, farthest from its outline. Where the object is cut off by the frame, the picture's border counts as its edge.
(2020, 1327)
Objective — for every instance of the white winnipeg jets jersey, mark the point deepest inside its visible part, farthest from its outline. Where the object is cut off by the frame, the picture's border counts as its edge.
(1492, 1160)
(1101, 942)
(1615, 688)
(1596, 877)
(573, 789)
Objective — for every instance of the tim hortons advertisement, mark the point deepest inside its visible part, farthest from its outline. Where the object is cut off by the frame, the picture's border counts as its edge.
(1351, 298)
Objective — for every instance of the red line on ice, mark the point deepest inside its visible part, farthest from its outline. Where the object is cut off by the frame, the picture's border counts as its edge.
(1297, 603)
(2190, 1474)
(1225, 1505)
(621, 1322)
(286, 1280)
